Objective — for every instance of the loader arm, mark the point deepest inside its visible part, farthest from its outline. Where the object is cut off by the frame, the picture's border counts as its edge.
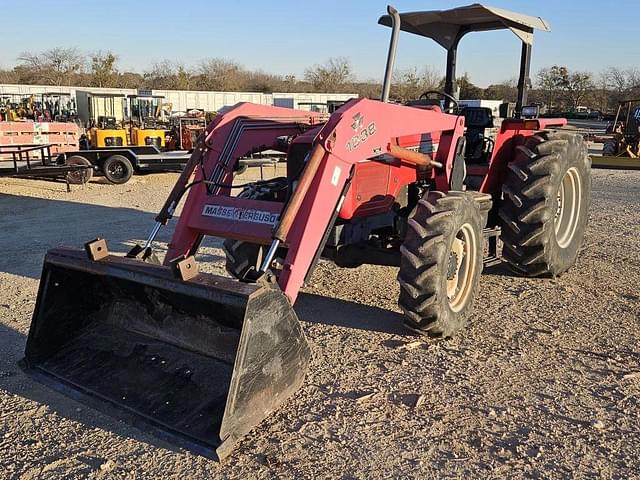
(362, 130)
(208, 209)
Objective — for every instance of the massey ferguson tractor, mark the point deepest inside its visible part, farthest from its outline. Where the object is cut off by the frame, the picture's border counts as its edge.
(425, 187)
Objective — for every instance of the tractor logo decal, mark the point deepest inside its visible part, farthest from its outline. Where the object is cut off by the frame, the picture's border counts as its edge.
(249, 215)
(358, 120)
(359, 138)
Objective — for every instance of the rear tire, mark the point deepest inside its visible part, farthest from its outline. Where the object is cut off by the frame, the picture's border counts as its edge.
(441, 263)
(117, 169)
(79, 177)
(545, 204)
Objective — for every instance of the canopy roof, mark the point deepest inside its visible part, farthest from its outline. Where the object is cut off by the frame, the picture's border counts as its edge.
(447, 26)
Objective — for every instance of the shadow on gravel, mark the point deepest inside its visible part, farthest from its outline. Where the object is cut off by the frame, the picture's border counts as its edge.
(342, 313)
(30, 226)
(500, 270)
(15, 381)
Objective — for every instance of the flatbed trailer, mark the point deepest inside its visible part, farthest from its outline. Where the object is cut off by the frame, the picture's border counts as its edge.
(36, 161)
(118, 164)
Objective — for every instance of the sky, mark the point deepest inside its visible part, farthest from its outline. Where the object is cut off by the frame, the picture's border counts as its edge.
(287, 36)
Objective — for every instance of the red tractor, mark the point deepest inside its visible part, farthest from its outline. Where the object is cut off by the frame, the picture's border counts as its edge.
(424, 186)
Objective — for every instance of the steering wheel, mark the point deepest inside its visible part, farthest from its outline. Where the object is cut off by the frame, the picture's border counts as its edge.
(453, 101)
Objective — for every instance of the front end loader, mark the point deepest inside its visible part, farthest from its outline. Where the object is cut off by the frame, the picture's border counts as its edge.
(203, 358)
(622, 149)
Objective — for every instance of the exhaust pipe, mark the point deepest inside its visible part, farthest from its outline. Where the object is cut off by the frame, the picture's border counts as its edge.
(391, 57)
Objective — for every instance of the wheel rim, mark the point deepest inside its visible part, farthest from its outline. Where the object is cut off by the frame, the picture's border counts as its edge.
(79, 176)
(569, 197)
(117, 170)
(461, 268)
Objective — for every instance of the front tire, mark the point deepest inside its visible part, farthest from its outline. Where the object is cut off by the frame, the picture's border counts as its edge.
(117, 169)
(545, 204)
(241, 257)
(441, 263)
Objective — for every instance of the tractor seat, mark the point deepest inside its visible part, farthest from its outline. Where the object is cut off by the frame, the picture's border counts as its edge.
(426, 104)
(479, 147)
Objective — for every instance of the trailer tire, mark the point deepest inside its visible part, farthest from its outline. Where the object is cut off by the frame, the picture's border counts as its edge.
(79, 177)
(441, 263)
(544, 210)
(610, 148)
(117, 169)
(244, 256)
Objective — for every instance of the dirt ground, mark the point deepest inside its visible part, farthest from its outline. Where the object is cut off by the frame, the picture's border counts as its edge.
(545, 383)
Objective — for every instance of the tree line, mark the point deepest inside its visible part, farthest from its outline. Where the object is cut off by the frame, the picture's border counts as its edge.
(556, 87)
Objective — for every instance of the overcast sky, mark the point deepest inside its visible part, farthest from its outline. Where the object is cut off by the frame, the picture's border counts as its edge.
(287, 36)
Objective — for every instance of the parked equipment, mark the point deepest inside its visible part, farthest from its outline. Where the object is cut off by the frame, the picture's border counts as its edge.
(111, 153)
(148, 136)
(204, 358)
(622, 150)
(36, 161)
(107, 134)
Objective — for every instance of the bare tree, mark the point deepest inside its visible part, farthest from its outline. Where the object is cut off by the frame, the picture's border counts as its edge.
(623, 84)
(548, 83)
(9, 76)
(330, 77)
(410, 83)
(160, 75)
(578, 85)
(57, 66)
(220, 74)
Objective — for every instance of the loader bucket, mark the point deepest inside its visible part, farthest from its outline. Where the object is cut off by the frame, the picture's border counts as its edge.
(199, 362)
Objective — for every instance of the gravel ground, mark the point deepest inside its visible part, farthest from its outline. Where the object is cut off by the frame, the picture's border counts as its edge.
(544, 384)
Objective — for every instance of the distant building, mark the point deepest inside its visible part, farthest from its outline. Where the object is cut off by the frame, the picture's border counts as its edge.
(89, 103)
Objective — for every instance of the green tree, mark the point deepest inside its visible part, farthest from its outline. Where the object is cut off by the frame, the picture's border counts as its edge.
(103, 72)
(468, 90)
(506, 91)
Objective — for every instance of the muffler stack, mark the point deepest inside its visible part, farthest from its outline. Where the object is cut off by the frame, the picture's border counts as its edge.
(201, 361)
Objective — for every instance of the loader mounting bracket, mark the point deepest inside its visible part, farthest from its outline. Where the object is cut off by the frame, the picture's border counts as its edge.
(184, 267)
(97, 249)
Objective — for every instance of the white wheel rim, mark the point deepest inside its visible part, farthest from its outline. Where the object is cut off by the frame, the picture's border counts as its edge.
(569, 198)
(462, 267)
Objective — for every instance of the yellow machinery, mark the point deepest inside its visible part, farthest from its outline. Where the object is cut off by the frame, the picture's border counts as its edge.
(110, 137)
(148, 136)
(622, 150)
(615, 163)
